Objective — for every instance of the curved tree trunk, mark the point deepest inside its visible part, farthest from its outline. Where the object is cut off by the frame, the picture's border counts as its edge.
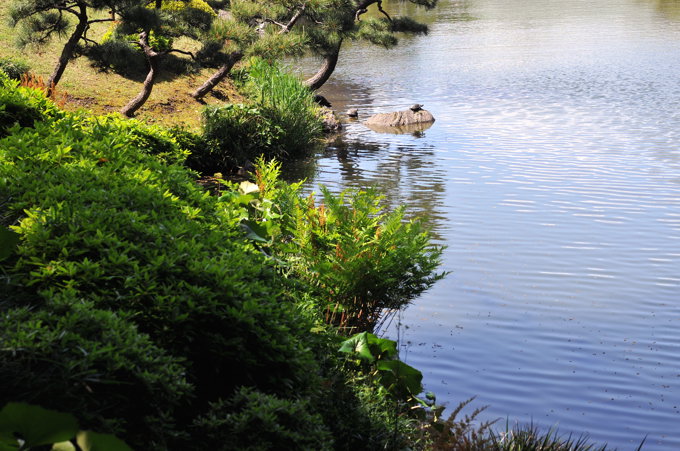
(152, 57)
(68, 50)
(218, 76)
(329, 62)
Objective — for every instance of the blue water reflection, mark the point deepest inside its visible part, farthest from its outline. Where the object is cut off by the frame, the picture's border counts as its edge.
(552, 174)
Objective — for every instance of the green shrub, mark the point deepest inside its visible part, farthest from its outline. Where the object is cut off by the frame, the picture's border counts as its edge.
(150, 139)
(96, 364)
(252, 420)
(103, 222)
(282, 123)
(13, 67)
(235, 133)
(22, 106)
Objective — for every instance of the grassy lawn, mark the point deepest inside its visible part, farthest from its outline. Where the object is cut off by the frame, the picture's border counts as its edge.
(101, 92)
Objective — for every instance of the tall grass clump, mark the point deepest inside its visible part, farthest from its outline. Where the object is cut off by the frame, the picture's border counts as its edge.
(288, 102)
(531, 438)
(281, 122)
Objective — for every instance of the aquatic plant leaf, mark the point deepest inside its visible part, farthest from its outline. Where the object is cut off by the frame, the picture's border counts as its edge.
(255, 231)
(63, 446)
(93, 441)
(358, 345)
(369, 347)
(35, 425)
(396, 375)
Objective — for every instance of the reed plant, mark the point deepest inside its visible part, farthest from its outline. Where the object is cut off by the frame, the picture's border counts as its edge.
(288, 103)
(530, 437)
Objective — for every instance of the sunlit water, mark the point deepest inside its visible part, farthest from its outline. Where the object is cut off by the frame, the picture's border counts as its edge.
(552, 174)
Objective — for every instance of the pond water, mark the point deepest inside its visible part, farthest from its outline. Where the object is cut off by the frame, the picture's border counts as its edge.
(552, 174)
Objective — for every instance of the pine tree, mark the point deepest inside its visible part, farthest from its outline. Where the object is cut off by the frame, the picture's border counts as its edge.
(253, 28)
(279, 27)
(156, 24)
(41, 20)
(341, 20)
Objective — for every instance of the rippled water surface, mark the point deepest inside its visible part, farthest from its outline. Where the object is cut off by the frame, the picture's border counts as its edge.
(552, 174)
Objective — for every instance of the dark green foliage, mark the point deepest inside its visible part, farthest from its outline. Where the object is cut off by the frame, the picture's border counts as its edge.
(120, 56)
(235, 133)
(116, 242)
(70, 355)
(252, 420)
(13, 67)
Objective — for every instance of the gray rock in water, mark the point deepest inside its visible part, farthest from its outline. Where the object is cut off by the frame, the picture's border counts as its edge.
(401, 118)
(353, 112)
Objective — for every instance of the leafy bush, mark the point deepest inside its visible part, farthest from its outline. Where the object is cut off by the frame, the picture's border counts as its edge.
(281, 123)
(252, 420)
(235, 133)
(72, 355)
(114, 239)
(22, 106)
(13, 67)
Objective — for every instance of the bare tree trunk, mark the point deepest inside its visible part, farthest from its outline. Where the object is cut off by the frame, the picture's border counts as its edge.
(327, 67)
(131, 108)
(68, 50)
(218, 76)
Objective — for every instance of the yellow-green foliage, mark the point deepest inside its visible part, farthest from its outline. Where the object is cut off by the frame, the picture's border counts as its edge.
(179, 5)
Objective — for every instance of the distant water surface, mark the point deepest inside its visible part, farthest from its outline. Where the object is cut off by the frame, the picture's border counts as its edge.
(552, 175)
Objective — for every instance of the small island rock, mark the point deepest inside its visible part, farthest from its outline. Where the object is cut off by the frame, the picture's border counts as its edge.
(401, 118)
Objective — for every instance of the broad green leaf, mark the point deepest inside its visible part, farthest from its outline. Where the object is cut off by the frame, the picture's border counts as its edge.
(386, 348)
(36, 425)
(255, 231)
(396, 374)
(93, 441)
(8, 243)
(369, 347)
(358, 344)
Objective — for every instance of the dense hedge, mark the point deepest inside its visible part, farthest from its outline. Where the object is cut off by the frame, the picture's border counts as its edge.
(131, 299)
